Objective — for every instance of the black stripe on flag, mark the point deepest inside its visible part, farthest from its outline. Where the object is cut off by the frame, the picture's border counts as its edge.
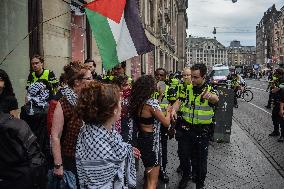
(136, 30)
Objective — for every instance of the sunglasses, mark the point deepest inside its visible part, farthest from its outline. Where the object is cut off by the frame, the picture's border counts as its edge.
(87, 78)
(160, 74)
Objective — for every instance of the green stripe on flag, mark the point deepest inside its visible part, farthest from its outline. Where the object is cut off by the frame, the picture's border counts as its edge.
(104, 38)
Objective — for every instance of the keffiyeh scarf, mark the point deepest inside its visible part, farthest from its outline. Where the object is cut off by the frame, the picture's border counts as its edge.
(103, 160)
(38, 94)
(156, 130)
(70, 95)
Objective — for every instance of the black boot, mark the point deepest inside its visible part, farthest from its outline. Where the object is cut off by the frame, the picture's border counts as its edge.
(183, 182)
(200, 185)
(274, 133)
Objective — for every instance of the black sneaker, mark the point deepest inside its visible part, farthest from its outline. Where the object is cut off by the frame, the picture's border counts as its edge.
(274, 133)
(281, 139)
(268, 107)
(200, 185)
(164, 177)
(183, 182)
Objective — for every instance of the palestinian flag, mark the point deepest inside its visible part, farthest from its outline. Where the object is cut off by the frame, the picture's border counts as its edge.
(118, 30)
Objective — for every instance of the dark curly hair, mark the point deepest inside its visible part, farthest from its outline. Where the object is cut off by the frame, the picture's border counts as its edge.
(120, 80)
(73, 71)
(142, 90)
(8, 88)
(97, 102)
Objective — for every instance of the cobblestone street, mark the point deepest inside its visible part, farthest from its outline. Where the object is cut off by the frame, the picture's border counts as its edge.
(234, 165)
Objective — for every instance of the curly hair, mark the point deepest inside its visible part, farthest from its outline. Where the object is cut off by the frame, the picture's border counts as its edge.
(8, 88)
(142, 90)
(120, 80)
(97, 102)
(73, 71)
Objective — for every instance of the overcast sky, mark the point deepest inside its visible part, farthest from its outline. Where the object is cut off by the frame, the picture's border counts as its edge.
(233, 21)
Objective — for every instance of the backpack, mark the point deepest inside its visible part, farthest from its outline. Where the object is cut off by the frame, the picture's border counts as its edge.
(20, 153)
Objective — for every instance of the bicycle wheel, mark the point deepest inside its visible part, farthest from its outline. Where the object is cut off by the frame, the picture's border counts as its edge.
(247, 95)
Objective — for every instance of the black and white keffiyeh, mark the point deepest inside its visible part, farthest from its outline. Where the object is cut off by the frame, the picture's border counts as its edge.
(38, 94)
(70, 95)
(103, 160)
(154, 103)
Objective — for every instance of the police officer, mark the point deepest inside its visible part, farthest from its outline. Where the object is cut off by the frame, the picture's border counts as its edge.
(39, 73)
(235, 83)
(273, 82)
(186, 80)
(118, 70)
(197, 113)
(161, 75)
(279, 73)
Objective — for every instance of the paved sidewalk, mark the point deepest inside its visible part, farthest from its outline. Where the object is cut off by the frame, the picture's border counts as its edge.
(235, 165)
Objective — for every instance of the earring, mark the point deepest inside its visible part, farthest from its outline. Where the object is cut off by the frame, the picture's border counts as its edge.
(115, 111)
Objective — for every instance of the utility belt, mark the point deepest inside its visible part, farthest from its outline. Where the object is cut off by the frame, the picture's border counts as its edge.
(198, 128)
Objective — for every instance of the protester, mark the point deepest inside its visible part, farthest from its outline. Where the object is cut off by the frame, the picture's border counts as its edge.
(103, 159)
(66, 124)
(147, 116)
(34, 112)
(22, 165)
(92, 66)
(8, 101)
(124, 125)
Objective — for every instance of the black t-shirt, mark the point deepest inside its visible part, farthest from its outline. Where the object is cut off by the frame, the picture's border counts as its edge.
(8, 103)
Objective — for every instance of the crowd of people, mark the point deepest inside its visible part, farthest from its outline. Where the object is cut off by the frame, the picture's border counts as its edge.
(91, 131)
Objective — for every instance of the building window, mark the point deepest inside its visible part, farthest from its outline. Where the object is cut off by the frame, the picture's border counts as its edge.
(151, 7)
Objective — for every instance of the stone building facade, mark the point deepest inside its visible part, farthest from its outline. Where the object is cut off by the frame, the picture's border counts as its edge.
(59, 31)
(165, 23)
(278, 39)
(205, 50)
(264, 36)
(241, 55)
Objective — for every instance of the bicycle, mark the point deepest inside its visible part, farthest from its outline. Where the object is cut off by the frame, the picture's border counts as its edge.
(245, 93)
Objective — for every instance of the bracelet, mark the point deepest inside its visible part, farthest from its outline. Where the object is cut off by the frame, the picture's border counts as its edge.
(57, 166)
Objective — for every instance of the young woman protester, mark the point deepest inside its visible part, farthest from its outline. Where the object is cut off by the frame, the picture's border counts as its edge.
(66, 123)
(8, 101)
(103, 160)
(124, 125)
(148, 117)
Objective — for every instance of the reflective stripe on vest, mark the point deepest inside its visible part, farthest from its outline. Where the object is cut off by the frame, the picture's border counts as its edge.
(173, 90)
(155, 95)
(165, 103)
(44, 76)
(194, 111)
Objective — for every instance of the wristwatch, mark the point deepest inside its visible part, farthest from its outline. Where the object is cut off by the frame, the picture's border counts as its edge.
(57, 166)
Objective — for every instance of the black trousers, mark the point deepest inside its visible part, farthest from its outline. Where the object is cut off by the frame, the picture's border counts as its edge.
(275, 118)
(281, 121)
(194, 148)
(235, 96)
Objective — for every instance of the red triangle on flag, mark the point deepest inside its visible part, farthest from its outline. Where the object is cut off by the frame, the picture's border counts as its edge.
(113, 9)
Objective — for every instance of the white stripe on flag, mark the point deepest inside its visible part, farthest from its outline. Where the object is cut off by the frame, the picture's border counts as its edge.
(125, 47)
